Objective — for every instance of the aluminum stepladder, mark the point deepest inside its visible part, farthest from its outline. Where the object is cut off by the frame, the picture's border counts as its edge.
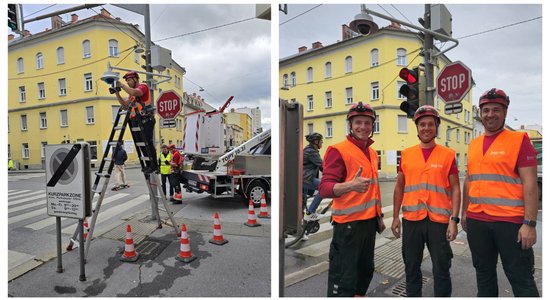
(106, 167)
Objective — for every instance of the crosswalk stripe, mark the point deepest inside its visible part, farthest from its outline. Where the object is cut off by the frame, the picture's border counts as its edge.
(12, 203)
(32, 214)
(113, 211)
(317, 249)
(9, 191)
(18, 192)
(50, 221)
(23, 207)
(10, 198)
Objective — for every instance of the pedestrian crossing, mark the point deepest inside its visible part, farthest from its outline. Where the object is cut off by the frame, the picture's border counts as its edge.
(18, 177)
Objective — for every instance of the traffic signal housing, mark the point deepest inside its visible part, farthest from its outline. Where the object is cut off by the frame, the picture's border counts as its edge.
(15, 18)
(414, 90)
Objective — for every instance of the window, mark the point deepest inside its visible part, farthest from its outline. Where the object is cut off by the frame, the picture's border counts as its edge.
(465, 138)
(374, 57)
(88, 82)
(43, 121)
(401, 57)
(41, 90)
(309, 128)
(285, 80)
(466, 159)
(402, 124)
(349, 64)
(113, 48)
(328, 70)
(60, 55)
(20, 65)
(24, 122)
(399, 84)
(43, 149)
(62, 87)
(64, 118)
(349, 95)
(114, 111)
(375, 91)
(458, 159)
(398, 160)
(292, 79)
(93, 149)
(86, 49)
(25, 150)
(379, 154)
(310, 74)
(458, 135)
(9, 151)
(90, 115)
(329, 129)
(22, 94)
(328, 99)
(310, 103)
(376, 125)
(39, 61)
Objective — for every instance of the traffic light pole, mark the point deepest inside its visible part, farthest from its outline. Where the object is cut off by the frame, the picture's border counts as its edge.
(428, 65)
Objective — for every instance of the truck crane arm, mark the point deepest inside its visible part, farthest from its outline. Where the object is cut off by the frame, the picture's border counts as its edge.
(226, 104)
(244, 148)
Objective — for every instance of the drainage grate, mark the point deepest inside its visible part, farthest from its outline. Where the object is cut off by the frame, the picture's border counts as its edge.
(389, 260)
(150, 248)
(401, 289)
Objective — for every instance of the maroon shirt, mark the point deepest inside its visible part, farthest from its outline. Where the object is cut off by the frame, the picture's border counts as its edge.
(527, 157)
(334, 167)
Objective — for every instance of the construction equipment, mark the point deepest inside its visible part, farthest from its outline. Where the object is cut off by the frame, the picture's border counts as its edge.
(146, 154)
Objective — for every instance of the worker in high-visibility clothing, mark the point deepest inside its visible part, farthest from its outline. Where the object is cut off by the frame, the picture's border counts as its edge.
(500, 203)
(350, 177)
(165, 167)
(428, 191)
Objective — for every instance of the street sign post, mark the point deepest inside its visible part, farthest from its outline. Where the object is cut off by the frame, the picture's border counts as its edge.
(168, 105)
(454, 82)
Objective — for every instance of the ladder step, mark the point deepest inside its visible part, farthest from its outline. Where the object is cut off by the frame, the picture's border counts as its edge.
(136, 129)
(122, 112)
(118, 128)
(140, 144)
(106, 175)
(145, 158)
(107, 158)
(113, 143)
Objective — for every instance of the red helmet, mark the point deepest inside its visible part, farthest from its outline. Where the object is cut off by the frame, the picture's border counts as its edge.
(130, 74)
(361, 109)
(426, 110)
(494, 96)
(172, 146)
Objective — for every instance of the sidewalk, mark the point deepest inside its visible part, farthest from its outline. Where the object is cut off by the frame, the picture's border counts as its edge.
(389, 276)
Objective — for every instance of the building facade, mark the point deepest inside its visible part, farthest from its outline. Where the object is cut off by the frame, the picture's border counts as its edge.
(243, 120)
(55, 94)
(327, 80)
(256, 115)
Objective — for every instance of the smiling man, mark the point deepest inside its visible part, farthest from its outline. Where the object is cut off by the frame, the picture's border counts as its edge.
(428, 190)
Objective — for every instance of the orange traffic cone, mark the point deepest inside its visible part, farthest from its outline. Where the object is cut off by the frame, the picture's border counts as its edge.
(218, 237)
(263, 209)
(130, 254)
(185, 250)
(251, 216)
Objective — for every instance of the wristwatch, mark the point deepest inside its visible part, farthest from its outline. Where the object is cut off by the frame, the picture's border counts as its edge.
(530, 223)
(456, 219)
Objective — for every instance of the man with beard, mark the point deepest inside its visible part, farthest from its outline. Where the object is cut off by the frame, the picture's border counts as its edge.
(501, 201)
(350, 177)
(428, 191)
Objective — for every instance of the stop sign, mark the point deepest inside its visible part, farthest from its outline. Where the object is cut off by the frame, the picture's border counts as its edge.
(168, 105)
(453, 83)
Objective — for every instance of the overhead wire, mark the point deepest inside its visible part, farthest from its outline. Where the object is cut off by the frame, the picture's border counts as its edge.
(301, 14)
(34, 13)
(206, 29)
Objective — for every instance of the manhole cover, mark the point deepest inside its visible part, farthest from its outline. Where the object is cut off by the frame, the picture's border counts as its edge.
(401, 289)
(150, 248)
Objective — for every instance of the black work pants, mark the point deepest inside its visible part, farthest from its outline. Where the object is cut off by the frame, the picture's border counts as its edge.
(416, 234)
(148, 127)
(351, 258)
(163, 178)
(487, 241)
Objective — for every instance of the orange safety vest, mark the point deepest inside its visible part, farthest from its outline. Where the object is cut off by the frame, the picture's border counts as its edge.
(354, 206)
(495, 187)
(427, 188)
(136, 102)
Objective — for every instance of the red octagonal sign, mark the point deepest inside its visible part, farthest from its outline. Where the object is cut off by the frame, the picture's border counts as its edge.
(453, 83)
(168, 105)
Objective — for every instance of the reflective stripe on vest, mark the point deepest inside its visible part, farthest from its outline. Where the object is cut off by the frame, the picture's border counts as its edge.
(423, 206)
(354, 206)
(495, 187)
(427, 186)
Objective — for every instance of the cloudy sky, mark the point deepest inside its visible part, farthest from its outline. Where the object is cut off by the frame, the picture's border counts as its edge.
(509, 58)
(229, 61)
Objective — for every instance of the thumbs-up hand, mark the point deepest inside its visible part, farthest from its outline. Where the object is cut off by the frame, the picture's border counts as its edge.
(360, 184)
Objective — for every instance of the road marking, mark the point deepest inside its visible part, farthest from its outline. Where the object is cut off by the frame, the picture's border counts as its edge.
(10, 198)
(32, 214)
(317, 249)
(23, 207)
(12, 203)
(19, 192)
(51, 221)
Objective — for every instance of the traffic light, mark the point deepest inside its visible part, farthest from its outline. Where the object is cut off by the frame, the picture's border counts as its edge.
(15, 18)
(414, 90)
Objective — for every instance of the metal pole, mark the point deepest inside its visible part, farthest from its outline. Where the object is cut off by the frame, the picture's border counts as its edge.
(81, 246)
(58, 232)
(428, 64)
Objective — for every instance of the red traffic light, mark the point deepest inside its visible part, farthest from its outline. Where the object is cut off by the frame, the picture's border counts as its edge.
(410, 76)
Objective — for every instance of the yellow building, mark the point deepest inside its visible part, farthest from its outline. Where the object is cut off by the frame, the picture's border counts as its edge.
(55, 93)
(242, 120)
(328, 79)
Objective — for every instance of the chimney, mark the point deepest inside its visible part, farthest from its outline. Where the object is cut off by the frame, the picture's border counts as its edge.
(74, 18)
(522, 126)
(56, 22)
(316, 45)
(302, 49)
(10, 37)
(105, 13)
(26, 33)
(395, 25)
